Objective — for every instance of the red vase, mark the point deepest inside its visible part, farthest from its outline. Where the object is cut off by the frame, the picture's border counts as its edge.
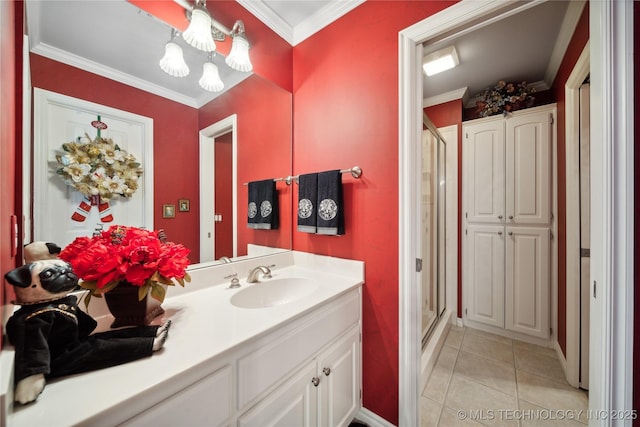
(127, 310)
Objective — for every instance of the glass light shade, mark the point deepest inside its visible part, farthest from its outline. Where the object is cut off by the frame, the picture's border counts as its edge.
(210, 79)
(198, 34)
(439, 61)
(238, 58)
(172, 62)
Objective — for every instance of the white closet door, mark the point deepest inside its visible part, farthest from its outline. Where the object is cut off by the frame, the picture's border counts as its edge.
(485, 274)
(527, 280)
(528, 168)
(484, 154)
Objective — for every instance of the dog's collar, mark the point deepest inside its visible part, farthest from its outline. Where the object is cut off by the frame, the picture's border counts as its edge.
(39, 302)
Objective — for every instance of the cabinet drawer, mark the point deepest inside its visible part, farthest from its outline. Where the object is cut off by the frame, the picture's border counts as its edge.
(205, 403)
(271, 363)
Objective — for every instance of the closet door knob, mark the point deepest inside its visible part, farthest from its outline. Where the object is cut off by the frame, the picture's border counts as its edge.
(326, 371)
(315, 381)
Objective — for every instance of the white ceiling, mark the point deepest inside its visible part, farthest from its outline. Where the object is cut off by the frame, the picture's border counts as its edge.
(115, 39)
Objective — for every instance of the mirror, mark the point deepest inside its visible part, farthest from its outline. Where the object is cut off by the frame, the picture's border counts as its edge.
(262, 108)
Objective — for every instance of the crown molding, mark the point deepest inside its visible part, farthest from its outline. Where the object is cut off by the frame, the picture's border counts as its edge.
(462, 93)
(302, 31)
(325, 16)
(568, 27)
(110, 73)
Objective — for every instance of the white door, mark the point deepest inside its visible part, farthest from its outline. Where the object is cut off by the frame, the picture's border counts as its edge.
(528, 168)
(339, 381)
(585, 236)
(292, 404)
(527, 280)
(484, 160)
(485, 274)
(59, 119)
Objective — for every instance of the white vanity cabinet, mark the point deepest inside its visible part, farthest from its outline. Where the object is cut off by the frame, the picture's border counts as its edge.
(325, 392)
(305, 373)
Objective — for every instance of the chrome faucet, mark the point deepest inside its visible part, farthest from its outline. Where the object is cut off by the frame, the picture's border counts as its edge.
(253, 273)
(224, 259)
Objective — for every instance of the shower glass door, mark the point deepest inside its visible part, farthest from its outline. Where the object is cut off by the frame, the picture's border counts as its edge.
(432, 229)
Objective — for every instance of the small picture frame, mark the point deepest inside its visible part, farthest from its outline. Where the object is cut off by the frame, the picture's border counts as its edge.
(168, 211)
(183, 205)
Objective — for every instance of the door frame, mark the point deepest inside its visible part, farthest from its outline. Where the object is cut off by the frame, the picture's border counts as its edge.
(611, 30)
(572, 161)
(207, 183)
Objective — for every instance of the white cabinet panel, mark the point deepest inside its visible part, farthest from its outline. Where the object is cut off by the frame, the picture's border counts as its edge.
(528, 168)
(484, 154)
(485, 274)
(292, 404)
(527, 281)
(339, 373)
(205, 403)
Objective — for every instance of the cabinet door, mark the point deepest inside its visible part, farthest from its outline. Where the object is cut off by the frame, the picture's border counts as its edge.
(339, 373)
(528, 168)
(527, 280)
(484, 170)
(207, 402)
(485, 274)
(295, 403)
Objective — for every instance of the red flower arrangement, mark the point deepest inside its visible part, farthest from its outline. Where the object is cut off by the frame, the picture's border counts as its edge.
(128, 254)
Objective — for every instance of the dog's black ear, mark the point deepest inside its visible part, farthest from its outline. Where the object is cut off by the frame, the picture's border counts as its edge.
(20, 277)
(53, 248)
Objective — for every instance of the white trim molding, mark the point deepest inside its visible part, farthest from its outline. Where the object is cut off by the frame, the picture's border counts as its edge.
(612, 214)
(572, 173)
(207, 186)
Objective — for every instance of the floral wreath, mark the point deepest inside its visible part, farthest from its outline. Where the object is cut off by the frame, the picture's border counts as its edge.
(100, 170)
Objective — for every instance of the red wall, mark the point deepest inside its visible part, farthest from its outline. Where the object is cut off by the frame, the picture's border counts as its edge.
(578, 41)
(441, 115)
(223, 171)
(346, 114)
(175, 139)
(10, 128)
(264, 150)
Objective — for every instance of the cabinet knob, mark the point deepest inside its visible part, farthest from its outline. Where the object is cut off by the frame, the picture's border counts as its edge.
(326, 371)
(511, 233)
(499, 216)
(315, 381)
(499, 233)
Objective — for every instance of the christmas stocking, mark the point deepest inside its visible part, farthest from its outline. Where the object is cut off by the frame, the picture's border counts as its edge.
(82, 210)
(105, 212)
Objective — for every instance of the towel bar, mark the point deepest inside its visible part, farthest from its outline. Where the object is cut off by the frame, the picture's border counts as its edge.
(355, 172)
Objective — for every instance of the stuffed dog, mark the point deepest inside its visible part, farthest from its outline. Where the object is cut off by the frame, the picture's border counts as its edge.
(52, 336)
(37, 251)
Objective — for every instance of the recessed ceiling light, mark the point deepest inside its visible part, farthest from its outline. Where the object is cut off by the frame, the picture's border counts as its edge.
(440, 60)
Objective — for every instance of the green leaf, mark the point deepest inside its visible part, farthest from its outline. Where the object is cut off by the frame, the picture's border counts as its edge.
(158, 292)
(143, 290)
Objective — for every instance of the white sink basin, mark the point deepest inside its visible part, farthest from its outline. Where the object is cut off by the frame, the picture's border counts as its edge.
(272, 292)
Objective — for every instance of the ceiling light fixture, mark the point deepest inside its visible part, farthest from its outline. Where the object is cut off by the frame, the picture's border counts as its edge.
(198, 34)
(238, 58)
(440, 60)
(210, 79)
(172, 62)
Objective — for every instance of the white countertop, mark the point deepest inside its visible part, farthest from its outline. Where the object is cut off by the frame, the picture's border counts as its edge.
(205, 325)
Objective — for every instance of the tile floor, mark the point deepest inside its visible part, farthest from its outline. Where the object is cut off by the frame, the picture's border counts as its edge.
(485, 379)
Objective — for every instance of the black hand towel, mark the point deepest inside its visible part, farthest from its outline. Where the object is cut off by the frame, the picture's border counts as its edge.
(307, 202)
(330, 203)
(263, 212)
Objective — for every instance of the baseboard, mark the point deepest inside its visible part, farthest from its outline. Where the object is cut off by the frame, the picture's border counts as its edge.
(562, 359)
(6, 383)
(372, 419)
(458, 322)
(432, 350)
